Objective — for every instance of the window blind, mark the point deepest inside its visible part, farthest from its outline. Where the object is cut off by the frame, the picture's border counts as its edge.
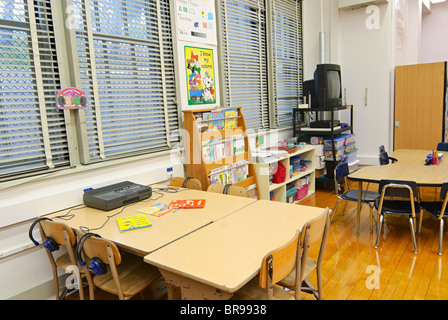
(125, 57)
(32, 129)
(244, 59)
(287, 58)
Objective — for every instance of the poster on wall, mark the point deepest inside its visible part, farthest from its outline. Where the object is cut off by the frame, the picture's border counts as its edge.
(196, 21)
(200, 76)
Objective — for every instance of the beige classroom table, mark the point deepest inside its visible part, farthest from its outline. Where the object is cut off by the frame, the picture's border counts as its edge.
(164, 229)
(410, 166)
(217, 260)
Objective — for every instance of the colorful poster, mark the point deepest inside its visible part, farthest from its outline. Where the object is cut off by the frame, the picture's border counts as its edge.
(200, 76)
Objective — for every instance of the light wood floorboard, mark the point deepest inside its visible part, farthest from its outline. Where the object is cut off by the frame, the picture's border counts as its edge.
(403, 274)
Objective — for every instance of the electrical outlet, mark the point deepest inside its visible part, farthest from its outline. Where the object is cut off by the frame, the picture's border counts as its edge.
(170, 172)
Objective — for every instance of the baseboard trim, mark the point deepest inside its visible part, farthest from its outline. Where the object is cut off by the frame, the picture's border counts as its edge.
(43, 291)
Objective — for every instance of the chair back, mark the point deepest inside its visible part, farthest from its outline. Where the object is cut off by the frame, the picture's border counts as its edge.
(341, 172)
(277, 264)
(384, 158)
(443, 190)
(398, 188)
(228, 189)
(442, 146)
(59, 232)
(62, 234)
(188, 182)
(314, 233)
(103, 249)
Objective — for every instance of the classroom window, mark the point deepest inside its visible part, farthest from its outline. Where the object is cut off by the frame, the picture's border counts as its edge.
(33, 135)
(261, 58)
(287, 75)
(119, 52)
(126, 65)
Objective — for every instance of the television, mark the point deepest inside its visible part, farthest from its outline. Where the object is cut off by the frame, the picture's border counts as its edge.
(326, 88)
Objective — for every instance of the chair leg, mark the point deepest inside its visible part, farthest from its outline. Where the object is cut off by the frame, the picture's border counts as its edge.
(380, 225)
(345, 207)
(440, 236)
(420, 220)
(319, 283)
(411, 222)
(334, 210)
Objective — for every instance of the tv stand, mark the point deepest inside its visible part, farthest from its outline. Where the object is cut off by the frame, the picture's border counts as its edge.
(300, 129)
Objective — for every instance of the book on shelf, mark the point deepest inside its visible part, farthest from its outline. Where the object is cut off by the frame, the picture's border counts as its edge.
(217, 149)
(216, 120)
(229, 174)
(133, 222)
(231, 118)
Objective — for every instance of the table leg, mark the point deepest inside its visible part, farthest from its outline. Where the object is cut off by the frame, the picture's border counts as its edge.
(358, 211)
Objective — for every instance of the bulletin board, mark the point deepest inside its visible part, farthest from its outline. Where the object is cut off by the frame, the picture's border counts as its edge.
(200, 76)
(196, 21)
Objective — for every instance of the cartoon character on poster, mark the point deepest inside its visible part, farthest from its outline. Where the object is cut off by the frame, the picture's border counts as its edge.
(71, 98)
(200, 76)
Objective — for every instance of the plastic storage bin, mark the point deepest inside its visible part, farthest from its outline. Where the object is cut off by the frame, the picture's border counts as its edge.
(350, 147)
(349, 138)
(351, 156)
(328, 152)
(291, 195)
(302, 192)
(305, 165)
(338, 143)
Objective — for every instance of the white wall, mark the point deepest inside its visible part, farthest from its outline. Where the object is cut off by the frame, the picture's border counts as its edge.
(366, 61)
(434, 35)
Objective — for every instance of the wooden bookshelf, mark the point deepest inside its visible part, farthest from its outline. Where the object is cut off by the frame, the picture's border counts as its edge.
(200, 134)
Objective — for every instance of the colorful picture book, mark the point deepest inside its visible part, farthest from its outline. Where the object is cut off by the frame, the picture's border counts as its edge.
(229, 174)
(133, 222)
(187, 204)
(216, 120)
(157, 210)
(217, 149)
(230, 118)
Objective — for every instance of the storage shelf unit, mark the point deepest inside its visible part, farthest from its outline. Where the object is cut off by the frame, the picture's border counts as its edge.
(279, 190)
(299, 130)
(202, 168)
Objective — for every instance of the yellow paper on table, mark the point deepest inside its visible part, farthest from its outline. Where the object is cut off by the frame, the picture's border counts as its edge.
(133, 222)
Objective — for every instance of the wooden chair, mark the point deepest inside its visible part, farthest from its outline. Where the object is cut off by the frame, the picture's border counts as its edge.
(189, 183)
(280, 267)
(228, 189)
(55, 235)
(121, 274)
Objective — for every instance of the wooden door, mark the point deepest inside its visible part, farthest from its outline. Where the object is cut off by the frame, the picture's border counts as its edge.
(419, 106)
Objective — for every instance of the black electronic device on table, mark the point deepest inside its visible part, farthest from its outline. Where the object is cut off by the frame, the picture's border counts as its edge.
(116, 195)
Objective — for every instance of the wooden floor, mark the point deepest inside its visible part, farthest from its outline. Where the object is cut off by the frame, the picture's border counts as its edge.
(349, 260)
